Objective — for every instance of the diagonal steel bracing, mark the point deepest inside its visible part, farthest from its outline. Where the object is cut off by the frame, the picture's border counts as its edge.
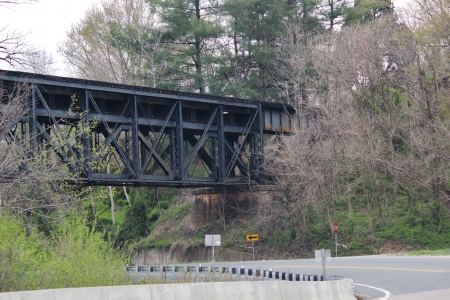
(152, 148)
(200, 143)
(155, 137)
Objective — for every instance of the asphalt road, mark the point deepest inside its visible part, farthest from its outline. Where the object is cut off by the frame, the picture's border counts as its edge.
(375, 276)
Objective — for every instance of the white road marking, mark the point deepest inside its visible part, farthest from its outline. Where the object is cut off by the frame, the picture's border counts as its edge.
(370, 268)
(387, 293)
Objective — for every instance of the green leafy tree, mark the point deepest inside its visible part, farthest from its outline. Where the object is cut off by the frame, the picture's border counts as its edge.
(333, 12)
(73, 256)
(306, 18)
(368, 10)
(136, 222)
(190, 30)
(21, 255)
(83, 258)
(254, 31)
(141, 42)
(298, 42)
(432, 23)
(32, 180)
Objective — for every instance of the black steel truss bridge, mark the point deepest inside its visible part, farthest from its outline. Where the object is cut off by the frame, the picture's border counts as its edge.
(140, 136)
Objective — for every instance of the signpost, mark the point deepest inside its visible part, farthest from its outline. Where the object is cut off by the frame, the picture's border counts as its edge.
(322, 256)
(253, 238)
(212, 240)
(336, 230)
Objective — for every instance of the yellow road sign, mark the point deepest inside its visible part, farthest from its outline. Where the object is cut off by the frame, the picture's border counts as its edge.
(252, 237)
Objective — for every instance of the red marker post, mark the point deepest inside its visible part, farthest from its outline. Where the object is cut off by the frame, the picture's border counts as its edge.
(336, 230)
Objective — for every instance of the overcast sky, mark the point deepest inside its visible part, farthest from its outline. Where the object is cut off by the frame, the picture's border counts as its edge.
(47, 22)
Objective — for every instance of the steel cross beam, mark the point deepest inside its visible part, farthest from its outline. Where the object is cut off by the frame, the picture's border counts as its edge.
(156, 137)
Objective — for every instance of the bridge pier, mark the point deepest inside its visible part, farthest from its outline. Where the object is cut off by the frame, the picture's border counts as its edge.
(225, 203)
(210, 205)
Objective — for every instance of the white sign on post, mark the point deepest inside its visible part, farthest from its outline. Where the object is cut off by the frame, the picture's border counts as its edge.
(322, 256)
(212, 240)
(318, 255)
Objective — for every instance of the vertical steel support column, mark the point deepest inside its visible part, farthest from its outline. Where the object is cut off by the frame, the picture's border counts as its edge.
(143, 157)
(214, 158)
(252, 143)
(179, 141)
(260, 140)
(221, 145)
(172, 148)
(127, 152)
(33, 121)
(86, 140)
(256, 142)
(135, 138)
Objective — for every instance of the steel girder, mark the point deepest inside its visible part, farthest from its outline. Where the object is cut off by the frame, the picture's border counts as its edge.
(111, 134)
(147, 151)
(141, 140)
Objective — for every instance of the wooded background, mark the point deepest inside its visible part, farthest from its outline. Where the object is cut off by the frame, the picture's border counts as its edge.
(370, 147)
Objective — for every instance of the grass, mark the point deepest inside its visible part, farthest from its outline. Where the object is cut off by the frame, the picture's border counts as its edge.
(430, 252)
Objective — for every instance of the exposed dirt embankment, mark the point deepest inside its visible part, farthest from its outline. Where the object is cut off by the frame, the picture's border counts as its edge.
(179, 253)
(210, 212)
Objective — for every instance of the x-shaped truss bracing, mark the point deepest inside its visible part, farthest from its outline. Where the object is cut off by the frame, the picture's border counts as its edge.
(179, 146)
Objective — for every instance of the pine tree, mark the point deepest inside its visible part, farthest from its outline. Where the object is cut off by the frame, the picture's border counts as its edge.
(254, 31)
(190, 30)
(368, 10)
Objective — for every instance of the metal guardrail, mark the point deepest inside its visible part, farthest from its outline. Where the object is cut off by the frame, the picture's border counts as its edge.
(218, 273)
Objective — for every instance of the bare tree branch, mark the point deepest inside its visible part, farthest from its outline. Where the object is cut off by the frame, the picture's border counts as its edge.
(7, 2)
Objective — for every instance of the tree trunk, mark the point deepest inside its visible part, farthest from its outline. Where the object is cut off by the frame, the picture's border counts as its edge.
(363, 177)
(92, 201)
(198, 49)
(126, 195)
(111, 197)
(350, 195)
